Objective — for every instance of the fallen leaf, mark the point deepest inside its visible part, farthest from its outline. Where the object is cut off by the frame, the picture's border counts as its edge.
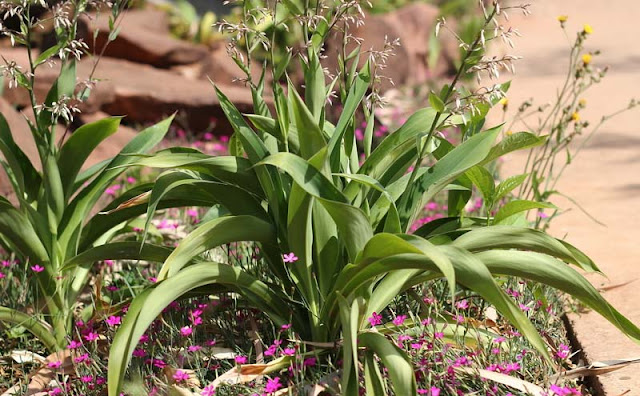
(513, 382)
(596, 368)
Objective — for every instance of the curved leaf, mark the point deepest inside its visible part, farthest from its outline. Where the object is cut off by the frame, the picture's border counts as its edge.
(215, 233)
(147, 306)
(394, 359)
(40, 329)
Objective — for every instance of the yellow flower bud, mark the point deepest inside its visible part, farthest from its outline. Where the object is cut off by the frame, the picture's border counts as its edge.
(586, 59)
(563, 18)
(575, 117)
(582, 102)
(587, 29)
(504, 102)
(509, 133)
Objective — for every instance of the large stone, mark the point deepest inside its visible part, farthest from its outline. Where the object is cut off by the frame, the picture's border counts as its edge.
(143, 37)
(145, 94)
(412, 25)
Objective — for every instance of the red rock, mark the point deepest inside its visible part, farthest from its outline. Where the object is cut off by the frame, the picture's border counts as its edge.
(143, 38)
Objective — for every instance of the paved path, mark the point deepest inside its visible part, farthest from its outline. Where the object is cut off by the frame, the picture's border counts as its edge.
(605, 178)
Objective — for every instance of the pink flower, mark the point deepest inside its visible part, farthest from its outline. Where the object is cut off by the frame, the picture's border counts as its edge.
(563, 351)
(74, 344)
(82, 358)
(112, 190)
(459, 318)
(289, 351)
(186, 331)
(91, 336)
(272, 385)
(194, 348)
(180, 376)
(564, 391)
(144, 338)
(462, 304)
(435, 391)
(375, 319)
(55, 365)
(399, 320)
(289, 258)
(285, 327)
(2, 275)
(131, 180)
(208, 390)
(86, 378)
(55, 391)
(139, 353)
(438, 335)
(208, 136)
(309, 362)
(37, 268)
(241, 359)
(113, 321)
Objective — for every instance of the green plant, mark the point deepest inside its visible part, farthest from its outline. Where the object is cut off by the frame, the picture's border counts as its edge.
(51, 222)
(333, 231)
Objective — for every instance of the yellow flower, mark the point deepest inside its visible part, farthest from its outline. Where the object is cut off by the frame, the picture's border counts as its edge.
(504, 102)
(587, 29)
(582, 102)
(509, 133)
(575, 117)
(563, 18)
(586, 59)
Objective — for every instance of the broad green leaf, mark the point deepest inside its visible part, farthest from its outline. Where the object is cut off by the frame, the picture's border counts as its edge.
(509, 185)
(80, 145)
(508, 237)
(213, 234)
(516, 141)
(25, 174)
(514, 207)
(484, 181)
(397, 363)
(549, 271)
(309, 132)
(18, 230)
(436, 102)
(349, 320)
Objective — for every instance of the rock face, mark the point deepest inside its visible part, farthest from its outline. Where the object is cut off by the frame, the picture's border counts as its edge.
(143, 38)
(413, 25)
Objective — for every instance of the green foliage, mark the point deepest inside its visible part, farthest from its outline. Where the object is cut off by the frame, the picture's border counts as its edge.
(332, 229)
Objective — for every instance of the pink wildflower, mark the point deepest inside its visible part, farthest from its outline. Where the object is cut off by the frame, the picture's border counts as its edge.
(180, 376)
(37, 268)
(289, 351)
(91, 336)
(131, 180)
(375, 319)
(399, 320)
(186, 331)
(462, 304)
(86, 378)
(2, 275)
(289, 257)
(194, 348)
(55, 365)
(74, 344)
(82, 358)
(208, 390)
(113, 321)
(309, 362)
(272, 385)
(241, 359)
(563, 351)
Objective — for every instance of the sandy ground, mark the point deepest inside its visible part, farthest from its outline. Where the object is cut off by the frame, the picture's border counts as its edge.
(605, 178)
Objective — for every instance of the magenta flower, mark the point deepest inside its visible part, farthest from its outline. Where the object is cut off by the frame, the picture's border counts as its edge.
(55, 365)
(289, 257)
(194, 348)
(309, 362)
(435, 391)
(399, 320)
(285, 327)
(144, 338)
(462, 304)
(91, 336)
(74, 344)
(208, 390)
(438, 335)
(131, 180)
(272, 385)
(289, 351)
(564, 391)
(82, 358)
(37, 268)
(139, 353)
(180, 376)
(2, 275)
(113, 321)
(563, 351)
(375, 319)
(55, 391)
(241, 359)
(186, 331)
